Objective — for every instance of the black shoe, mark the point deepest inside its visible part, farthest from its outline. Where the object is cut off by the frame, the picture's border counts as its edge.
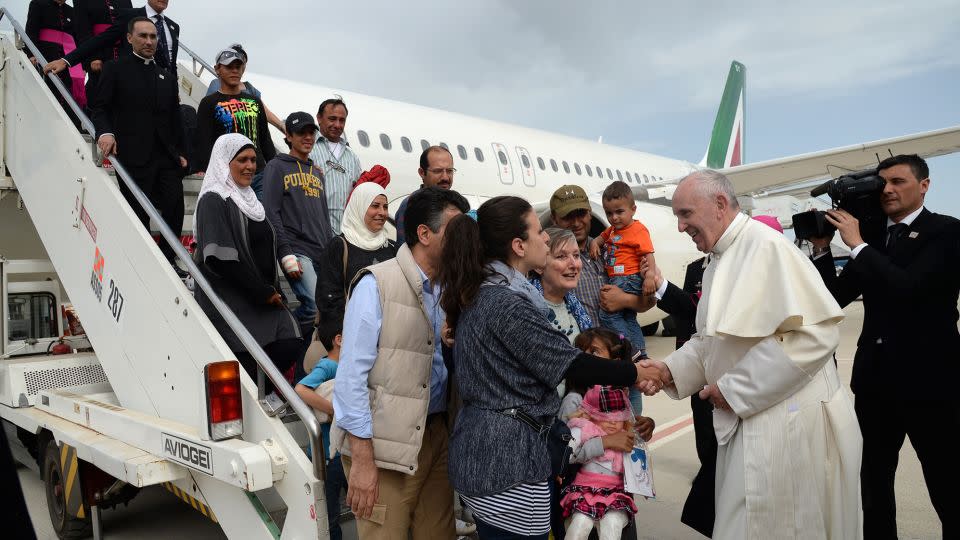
(181, 273)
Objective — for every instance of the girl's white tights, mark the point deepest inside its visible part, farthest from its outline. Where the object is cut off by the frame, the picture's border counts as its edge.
(609, 528)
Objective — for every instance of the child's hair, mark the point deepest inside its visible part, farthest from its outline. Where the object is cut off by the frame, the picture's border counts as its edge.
(328, 329)
(617, 190)
(619, 347)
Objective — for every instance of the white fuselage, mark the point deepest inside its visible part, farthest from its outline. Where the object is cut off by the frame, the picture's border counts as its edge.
(519, 161)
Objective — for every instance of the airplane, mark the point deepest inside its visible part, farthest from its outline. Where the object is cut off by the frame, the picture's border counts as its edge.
(495, 158)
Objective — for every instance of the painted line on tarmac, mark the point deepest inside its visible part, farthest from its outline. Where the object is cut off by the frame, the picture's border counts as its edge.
(673, 429)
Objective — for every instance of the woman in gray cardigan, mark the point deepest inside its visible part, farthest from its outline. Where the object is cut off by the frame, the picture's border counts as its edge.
(508, 356)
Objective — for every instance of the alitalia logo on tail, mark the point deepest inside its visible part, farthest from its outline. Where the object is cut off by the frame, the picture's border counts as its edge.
(726, 143)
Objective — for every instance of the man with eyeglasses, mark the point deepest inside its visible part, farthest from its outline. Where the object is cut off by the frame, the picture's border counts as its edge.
(341, 168)
(436, 170)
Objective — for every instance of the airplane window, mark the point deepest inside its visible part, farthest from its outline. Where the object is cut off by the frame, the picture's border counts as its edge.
(645, 180)
(444, 146)
(661, 179)
(385, 141)
(543, 167)
(566, 168)
(609, 173)
(462, 151)
(619, 176)
(424, 144)
(589, 171)
(627, 174)
(576, 167)
(405, 143)
(479, 153)
(599, 172)
(363, 138)
(636, 176)
(553, 165)
(502, 157)
(526, 162)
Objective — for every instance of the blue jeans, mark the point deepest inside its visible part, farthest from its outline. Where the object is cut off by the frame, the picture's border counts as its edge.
(625, 321)
(305, 289)
(336, 482)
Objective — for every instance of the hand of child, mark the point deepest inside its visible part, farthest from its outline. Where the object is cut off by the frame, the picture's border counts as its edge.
(446, 334)
(644, 427)
(622, 441)
(595, 247)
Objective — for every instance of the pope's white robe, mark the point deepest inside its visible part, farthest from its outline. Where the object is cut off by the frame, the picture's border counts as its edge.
(788, 463)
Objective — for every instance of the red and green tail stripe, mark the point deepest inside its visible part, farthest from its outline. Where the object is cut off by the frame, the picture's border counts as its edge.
(726, 142)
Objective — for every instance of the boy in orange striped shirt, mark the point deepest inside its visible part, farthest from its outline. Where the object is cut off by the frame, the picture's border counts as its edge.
(625, 244)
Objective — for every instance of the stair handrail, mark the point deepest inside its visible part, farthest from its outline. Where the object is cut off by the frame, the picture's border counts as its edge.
(197, 60)
(302, 409)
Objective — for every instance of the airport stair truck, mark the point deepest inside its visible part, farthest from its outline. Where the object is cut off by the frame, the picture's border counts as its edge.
(161, 399)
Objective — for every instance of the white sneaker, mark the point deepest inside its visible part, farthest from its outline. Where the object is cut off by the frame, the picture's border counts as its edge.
(464, 528)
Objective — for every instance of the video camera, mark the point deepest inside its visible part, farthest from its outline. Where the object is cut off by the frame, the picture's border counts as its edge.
(858, 193)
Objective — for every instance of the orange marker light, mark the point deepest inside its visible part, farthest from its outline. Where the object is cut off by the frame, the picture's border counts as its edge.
(224, 402)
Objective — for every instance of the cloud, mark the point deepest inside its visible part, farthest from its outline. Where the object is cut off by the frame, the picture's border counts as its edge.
(583, 69)
(545, 64)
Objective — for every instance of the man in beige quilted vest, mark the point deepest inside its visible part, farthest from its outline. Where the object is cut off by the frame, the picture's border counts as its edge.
(391, 394)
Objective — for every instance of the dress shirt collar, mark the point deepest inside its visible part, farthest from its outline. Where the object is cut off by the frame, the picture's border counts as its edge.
(586, 246)
(907, 220)
(427, 285)
(146, 61)
(726, 239)
(343, 140)
(151, 13)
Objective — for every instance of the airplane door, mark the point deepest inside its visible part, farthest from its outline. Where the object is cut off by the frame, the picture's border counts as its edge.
(503, 161)
(526, 165)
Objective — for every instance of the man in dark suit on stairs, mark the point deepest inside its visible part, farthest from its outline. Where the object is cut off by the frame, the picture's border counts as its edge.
(905, 370)
(137, 118)
(168, 39)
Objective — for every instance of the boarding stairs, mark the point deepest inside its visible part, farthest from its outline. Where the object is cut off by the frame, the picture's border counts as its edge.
(150, 338)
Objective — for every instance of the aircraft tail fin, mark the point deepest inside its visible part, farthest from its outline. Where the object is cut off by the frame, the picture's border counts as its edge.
(727, 140)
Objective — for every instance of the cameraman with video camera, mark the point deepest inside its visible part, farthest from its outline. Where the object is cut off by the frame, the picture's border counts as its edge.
(906, 369)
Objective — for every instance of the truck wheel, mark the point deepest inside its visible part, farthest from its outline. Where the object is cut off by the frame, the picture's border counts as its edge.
(54, 480)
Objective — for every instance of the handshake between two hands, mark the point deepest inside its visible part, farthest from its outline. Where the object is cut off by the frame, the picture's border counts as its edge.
(654, 375)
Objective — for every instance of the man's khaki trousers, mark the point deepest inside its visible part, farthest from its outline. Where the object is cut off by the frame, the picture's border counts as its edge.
(420, 505)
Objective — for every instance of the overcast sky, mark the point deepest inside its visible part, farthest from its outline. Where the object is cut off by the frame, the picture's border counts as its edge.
(642, 75)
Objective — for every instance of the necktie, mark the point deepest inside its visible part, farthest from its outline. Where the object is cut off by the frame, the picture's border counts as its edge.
(896, 231)
(163, 51)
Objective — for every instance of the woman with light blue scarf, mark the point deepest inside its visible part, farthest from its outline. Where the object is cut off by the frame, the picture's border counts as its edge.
(557, 281)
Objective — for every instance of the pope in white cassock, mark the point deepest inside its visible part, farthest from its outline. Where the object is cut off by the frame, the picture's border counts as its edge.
(788, 464)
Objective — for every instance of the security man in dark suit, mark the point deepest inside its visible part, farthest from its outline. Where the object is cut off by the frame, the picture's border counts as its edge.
(137, 118)
(905, 370)
(699, 508)
(168, 36)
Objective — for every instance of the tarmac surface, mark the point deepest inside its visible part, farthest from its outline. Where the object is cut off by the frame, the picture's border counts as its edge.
(156, 513)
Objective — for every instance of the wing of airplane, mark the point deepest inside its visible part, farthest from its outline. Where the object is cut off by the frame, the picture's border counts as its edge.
(748, 179)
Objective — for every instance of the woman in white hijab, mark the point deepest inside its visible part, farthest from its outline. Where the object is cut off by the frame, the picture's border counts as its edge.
(236, 251)
(363, 242)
